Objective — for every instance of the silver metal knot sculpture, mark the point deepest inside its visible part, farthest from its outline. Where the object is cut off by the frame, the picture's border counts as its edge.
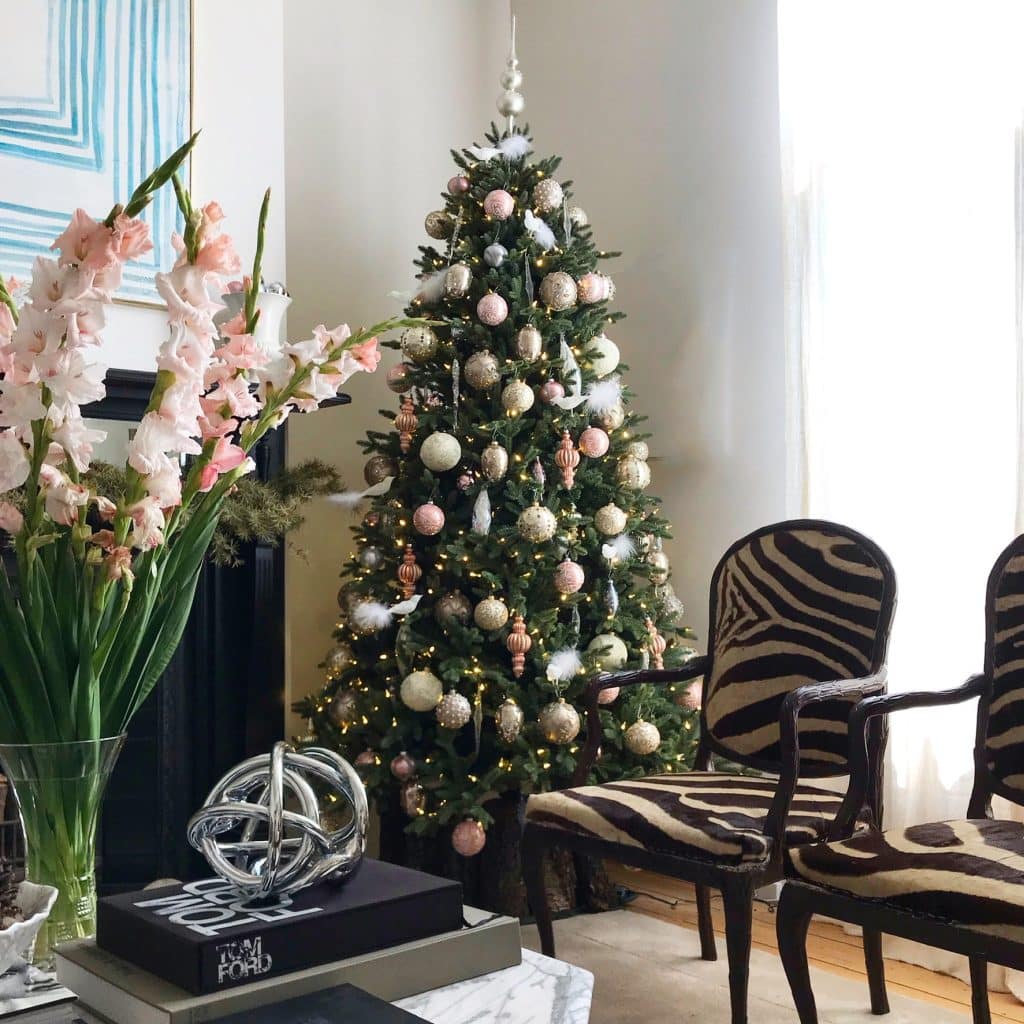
(297, 851)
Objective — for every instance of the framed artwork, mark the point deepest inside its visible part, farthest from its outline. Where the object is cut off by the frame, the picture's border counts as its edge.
(93, 95)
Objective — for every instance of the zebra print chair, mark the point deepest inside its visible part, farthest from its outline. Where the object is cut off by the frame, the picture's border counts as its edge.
(957, 885)
(800, 617)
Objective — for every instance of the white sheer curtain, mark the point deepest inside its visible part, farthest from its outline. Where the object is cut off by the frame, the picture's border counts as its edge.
(901, 166)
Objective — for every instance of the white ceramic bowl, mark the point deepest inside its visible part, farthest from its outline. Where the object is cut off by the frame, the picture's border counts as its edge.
(35, 902)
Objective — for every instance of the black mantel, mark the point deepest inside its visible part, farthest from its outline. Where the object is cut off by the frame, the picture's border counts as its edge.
(220, 700)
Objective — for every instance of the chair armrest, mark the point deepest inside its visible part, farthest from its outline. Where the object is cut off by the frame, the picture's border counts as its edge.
(845, 821)
(789, 740)
(606, 681)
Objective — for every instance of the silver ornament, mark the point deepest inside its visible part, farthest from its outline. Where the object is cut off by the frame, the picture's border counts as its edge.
(537, 524)
(378, 468)
(457, 281)
(509, 720)
(633, 473)
(454, 711)
(482, 371)
(343, 707)
(611, 598)
(252, 796)
(511, 78)
(529, 343)
(671, 605)
(547, 195)
(490, 614)
(494, 462)
(642, 738)
(371, 558)
(559, 721)
(558, 291)
(338, 659)
(419, 343)
(494, 254)
(517, 397)
(611, 419)
(578, 216)
(453, 607)
(659, 563)
(511, 103)
(438, 224)
(537, 471)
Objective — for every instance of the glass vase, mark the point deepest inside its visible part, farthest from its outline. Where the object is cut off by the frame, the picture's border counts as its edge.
(59, 788)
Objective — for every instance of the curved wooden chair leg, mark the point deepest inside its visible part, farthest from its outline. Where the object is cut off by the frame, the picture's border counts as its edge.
(979, 990)
(876, 970)
(738, 895)
(705, 926)
(533, 875)
(791, 922)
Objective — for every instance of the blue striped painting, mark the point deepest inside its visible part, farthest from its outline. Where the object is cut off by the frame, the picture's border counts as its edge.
(93, 95)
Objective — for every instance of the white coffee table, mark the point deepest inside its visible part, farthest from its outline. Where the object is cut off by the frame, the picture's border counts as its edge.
(539, 991)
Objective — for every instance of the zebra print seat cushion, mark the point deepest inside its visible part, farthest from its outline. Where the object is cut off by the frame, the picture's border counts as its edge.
(969, 872)
(706, 815)
(792, 607)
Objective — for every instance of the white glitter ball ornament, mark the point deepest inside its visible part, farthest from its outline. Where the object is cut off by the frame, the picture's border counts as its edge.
(547, 195)
(610, 520)
(558, 291)
(421, 691)
(440, 452)
(642, 738)
(454, 711)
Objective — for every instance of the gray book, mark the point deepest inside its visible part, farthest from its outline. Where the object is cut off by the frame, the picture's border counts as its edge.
(126, 994)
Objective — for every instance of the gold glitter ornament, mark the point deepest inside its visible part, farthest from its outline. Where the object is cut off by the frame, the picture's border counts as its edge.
(558, 291)
(517, 397)
(378, 468)
(453, 607)
(611, 419)
(457, 281)
(642, 738)
(659, 563)
(339, 658)
(343, 707)
(610, 520)
(559, 721)
(638, 450)
(419, 343)
(481, 371)
(529, 343)
(537, 524)
(438, 224)
(490, 614)
(633, 473)
(508, 720)
(494, 462)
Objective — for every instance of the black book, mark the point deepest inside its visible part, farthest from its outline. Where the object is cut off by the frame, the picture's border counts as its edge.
(345, 1004)
(204, 937)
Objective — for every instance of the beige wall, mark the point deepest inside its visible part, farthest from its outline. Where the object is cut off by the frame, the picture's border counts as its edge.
(666, 115)
(376, 95)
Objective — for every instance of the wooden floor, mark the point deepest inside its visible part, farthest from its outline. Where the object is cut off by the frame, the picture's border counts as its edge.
(828, 946)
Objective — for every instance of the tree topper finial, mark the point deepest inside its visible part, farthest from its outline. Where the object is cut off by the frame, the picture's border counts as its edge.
(511, 102)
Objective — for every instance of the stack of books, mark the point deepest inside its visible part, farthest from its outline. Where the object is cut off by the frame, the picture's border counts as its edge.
(197, 952)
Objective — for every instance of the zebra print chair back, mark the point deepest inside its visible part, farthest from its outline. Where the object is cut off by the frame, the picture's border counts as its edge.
(794, 603)
(1003, 753)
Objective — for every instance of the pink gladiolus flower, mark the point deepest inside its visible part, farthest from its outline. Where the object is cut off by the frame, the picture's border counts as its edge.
(131, 237)
(212, 423)
(14, 462)
(226, 457)
(64, 498)
(11, 520)
(103, 539)
(330, 340)
(6, 323)
(235, 286)
(234, 393)
(148, 519)
(75, 240)
(242, 352)
(105, 508)
(77, 440)
(212, 212)
(217, 256)
(164, 482)
(118, 564)
(367, 354)
(236, 325)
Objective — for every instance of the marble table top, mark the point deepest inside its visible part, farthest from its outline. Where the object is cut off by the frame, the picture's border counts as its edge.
(539, 991)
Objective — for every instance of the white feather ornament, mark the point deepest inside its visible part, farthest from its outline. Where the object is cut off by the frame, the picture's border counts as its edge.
(430, 288)
(482, 513)
(511, 148)
(564, 664)
(604, 395)
(371, 616)
(618, 549)
(349, 499)
(573, 378)
(542, 234)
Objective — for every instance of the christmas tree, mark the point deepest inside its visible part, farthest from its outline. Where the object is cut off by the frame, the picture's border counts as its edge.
(511, 550)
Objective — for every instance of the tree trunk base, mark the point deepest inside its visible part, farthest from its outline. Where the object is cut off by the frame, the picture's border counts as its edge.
(493, 879)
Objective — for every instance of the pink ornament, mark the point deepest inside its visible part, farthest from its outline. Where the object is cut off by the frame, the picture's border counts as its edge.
(550, 390)
(428, 519)
(594, 442)
(458, 184)
(499, 204)
(492, 309)
(690, 697)
(403, 767)
(468, 837)
(464, 482)
(608, 696)
(592, 288)
(366, 758)
(569, 577)
(396, 377)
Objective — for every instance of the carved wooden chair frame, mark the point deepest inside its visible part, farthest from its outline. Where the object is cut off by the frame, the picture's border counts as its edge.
(736, 882)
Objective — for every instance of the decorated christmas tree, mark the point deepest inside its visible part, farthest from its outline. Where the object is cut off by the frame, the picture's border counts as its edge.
(510, 550)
